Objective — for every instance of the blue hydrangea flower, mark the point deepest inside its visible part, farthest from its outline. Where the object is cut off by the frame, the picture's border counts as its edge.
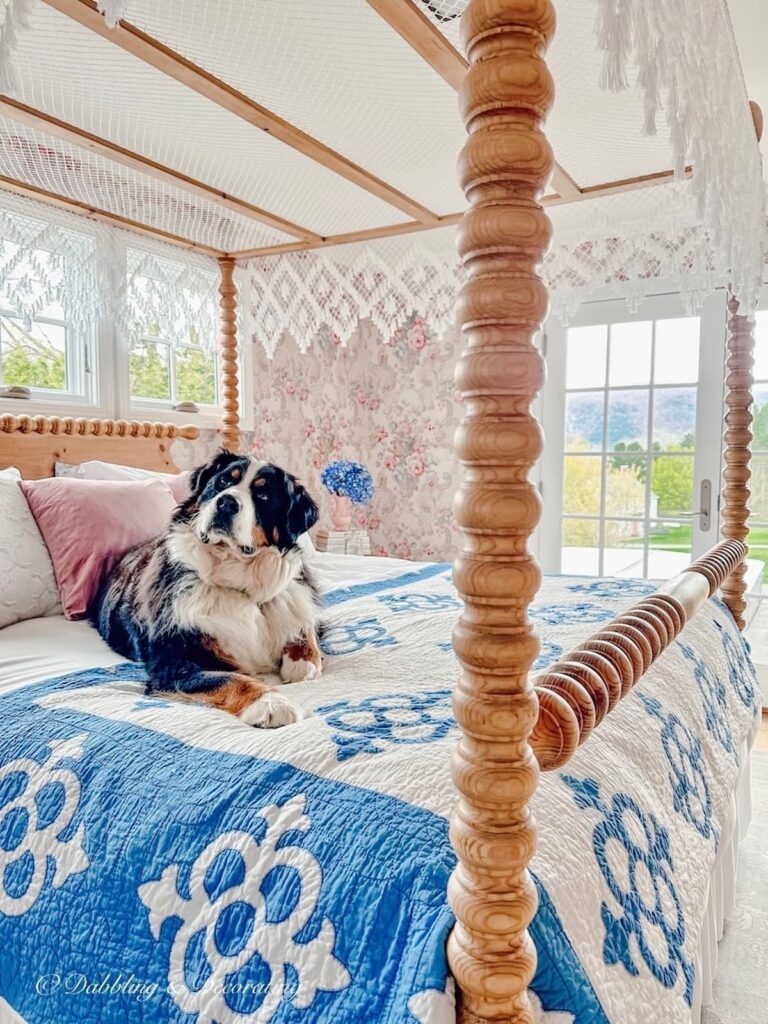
(350, 479)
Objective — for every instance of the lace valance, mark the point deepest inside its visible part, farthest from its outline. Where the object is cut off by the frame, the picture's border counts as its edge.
(51, 258)
(628, 245)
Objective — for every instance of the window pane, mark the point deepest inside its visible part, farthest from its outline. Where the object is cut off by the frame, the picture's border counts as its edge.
(758, 551)
(758, 485)
(630, 353)
(760, 419)
(627, 420)
(581, 484)
(34, 358)
(674, 418)
(624, 548)
(580, 554)
(761, 345)
(672, 485)
(677, 351)
(669, 549)
(584, 422)
(586, 354)
(625, 489)
(195, 376)
(150, 371)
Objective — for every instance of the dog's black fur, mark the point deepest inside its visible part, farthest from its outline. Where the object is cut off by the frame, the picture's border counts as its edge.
(224, 595)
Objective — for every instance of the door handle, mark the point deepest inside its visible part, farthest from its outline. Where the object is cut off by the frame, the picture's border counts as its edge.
(705, 506)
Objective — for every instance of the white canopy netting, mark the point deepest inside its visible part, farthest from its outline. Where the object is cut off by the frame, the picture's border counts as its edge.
(362, 134)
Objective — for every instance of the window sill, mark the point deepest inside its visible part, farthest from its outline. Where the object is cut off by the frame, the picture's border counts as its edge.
(66, 405)
(208, 418)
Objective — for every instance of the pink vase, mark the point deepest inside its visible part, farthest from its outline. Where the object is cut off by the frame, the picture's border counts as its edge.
(341, 512)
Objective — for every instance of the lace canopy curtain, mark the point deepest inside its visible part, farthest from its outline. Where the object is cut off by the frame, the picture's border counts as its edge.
(52, 258)
(627, 246)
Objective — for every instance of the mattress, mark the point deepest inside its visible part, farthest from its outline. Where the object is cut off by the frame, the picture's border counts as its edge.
(637, 850)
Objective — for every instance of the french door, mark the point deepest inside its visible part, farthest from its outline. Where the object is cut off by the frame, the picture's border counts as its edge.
(630, 474)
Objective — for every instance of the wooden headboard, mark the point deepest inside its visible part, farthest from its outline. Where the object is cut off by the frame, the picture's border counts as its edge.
(35, 443)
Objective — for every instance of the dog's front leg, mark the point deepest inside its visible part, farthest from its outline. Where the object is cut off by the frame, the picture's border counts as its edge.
(272, 571)
(246, 697)
(301, 659)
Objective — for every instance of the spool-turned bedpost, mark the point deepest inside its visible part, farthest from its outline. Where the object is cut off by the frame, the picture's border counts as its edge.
(228, 355)
(736, 450)
(504, 167)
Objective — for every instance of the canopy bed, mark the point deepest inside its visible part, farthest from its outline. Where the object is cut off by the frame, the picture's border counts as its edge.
(511, 723)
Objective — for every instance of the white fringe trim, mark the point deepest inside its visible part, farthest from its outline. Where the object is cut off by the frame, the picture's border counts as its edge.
(113, 10)
(687, 64)
(15, 20)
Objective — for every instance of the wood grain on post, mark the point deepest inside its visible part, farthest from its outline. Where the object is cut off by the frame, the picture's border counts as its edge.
(734, 515)
(579, 690)
(228, 355)
(504, 167)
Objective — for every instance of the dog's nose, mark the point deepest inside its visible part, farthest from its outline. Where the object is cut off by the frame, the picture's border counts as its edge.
(228, 505)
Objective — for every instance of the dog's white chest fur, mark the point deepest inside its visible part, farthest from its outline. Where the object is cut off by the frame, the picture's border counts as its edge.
(251, 609)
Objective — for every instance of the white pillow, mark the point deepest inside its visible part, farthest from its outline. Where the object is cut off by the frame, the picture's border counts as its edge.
(11, 472)
(28, 589)
(95, 470)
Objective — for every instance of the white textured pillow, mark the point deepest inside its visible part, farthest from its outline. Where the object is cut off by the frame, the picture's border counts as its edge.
(28, 589)
(95, 470)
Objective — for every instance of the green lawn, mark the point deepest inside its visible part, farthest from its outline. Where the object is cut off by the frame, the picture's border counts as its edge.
(678, 538)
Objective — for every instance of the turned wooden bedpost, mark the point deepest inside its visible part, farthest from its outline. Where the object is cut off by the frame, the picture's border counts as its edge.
(736, 450)
(504, 167)
(228, 354)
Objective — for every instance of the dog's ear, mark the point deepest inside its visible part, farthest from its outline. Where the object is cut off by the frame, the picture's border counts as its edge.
(201, 476)
(303, 512)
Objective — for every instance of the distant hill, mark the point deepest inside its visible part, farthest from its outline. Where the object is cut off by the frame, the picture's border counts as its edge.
(674, 416)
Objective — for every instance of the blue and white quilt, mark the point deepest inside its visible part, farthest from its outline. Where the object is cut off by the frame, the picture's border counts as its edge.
(164, 862)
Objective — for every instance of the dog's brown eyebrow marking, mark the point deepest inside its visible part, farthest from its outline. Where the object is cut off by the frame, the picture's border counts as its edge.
(259, 482)
(236, 474)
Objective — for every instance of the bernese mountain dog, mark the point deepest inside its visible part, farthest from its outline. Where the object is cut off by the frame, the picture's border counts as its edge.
(224, 596)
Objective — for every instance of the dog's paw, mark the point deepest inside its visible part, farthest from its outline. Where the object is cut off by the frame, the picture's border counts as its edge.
(297, 671)
(271, 711)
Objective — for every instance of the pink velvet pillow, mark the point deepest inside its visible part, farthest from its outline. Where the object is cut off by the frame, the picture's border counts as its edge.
(88, 525)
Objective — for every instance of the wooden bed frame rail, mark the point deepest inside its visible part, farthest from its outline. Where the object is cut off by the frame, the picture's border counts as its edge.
(577, 692)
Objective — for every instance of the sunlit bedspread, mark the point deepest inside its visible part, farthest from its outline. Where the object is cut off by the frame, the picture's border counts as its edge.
(164, 862)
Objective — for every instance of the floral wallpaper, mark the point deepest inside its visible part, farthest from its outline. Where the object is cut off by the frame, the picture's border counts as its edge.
(391, 405)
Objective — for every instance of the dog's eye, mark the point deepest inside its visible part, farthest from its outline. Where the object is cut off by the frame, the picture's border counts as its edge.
(260, 496)
(222, 482)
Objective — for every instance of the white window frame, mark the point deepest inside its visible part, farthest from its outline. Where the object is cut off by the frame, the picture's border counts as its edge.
(107, 393)
(209, 417)
(708, 448)
(87, 370)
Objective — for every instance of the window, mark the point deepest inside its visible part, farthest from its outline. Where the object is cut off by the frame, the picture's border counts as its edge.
(625, 485)
(167, 374)
(96, 324)
(45, 355)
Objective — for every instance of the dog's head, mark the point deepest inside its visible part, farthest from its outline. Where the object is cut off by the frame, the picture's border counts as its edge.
(247, 504)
